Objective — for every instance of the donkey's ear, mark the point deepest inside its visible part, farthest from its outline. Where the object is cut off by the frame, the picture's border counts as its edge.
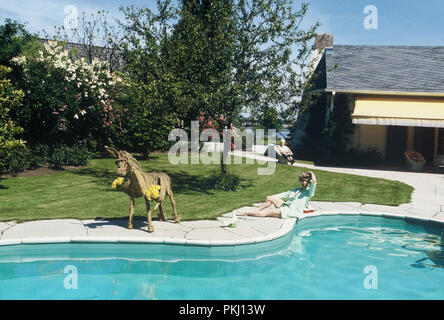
(113, 152)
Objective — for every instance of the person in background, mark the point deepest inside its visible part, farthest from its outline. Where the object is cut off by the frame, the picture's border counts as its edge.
(285, 151)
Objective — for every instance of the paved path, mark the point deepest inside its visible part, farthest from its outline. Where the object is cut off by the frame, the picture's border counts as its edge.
(427, 204)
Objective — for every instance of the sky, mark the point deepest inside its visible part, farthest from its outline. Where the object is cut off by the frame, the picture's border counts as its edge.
(387, 22)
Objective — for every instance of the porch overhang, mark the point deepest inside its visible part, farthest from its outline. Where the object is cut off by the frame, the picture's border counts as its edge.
(391, 111)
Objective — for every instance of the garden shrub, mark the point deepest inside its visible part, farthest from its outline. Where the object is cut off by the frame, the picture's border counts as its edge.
(39, 156)
(224, 181)
(21, 157)
(63, 155)
(15, 159)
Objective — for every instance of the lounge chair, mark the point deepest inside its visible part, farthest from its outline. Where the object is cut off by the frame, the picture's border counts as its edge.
(279, 156)
(439, 163)
(415, 161)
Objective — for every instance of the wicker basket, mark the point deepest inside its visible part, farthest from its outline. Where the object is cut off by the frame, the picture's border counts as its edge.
(415, 161)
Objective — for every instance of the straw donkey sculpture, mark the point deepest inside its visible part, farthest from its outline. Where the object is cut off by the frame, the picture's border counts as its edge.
(139, 182)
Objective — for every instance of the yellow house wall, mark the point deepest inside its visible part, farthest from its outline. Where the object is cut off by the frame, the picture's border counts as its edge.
(368, 136)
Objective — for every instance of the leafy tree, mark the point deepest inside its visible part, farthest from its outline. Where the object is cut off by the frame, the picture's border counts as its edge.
(240, 54)
(202, 60)
(14, 39)
(272, 56)
(255, 49)
(10, 143)
(270, 119)
(204, 44)
(145, 123)
(217, 58)
(151, 98)
(9, 98)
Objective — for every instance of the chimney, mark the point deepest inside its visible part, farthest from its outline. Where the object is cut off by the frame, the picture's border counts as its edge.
(322, 42)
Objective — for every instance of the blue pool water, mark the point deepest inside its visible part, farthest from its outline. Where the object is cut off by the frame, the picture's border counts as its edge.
(333, 257)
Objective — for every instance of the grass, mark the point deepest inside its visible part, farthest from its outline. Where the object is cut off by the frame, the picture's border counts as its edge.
(305, 162)
(86, 193)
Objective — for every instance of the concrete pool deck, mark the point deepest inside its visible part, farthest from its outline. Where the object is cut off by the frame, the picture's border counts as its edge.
(427, 204)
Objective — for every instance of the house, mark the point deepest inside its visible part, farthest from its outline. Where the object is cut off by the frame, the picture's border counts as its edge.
(395, 96)
(110, 54)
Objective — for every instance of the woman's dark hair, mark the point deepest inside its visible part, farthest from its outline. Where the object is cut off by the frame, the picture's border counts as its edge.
(305, 176)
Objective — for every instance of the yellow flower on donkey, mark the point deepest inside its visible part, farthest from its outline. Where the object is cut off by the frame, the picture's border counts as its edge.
(152, 192)
(117, 182)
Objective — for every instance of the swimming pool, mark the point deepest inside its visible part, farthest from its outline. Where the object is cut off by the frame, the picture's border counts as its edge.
(329, 257)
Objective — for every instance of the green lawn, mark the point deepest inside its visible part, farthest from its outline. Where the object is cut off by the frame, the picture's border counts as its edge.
(86, 193)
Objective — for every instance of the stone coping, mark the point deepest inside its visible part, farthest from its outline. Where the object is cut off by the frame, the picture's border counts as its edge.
(280, 228)
(249, 230)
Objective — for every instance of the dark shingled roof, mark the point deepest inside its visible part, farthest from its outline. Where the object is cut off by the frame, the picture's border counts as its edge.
(385, 68)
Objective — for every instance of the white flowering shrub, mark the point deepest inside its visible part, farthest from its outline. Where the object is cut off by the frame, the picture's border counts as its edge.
(66, 100)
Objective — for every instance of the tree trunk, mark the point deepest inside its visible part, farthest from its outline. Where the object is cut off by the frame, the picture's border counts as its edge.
(227, 147)
(145, 153)
(223, 166)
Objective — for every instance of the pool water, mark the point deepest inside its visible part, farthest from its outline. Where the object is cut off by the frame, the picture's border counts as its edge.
(332, 257)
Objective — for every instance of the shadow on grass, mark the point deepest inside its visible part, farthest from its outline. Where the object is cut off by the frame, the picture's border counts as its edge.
(141, 158)
(102, 177)
(194, 183)
(2, 187)
(182, 182)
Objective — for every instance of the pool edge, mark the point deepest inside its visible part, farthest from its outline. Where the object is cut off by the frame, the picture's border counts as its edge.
(287, 227)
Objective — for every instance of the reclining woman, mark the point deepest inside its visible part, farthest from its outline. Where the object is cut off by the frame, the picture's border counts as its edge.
(296, 200)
